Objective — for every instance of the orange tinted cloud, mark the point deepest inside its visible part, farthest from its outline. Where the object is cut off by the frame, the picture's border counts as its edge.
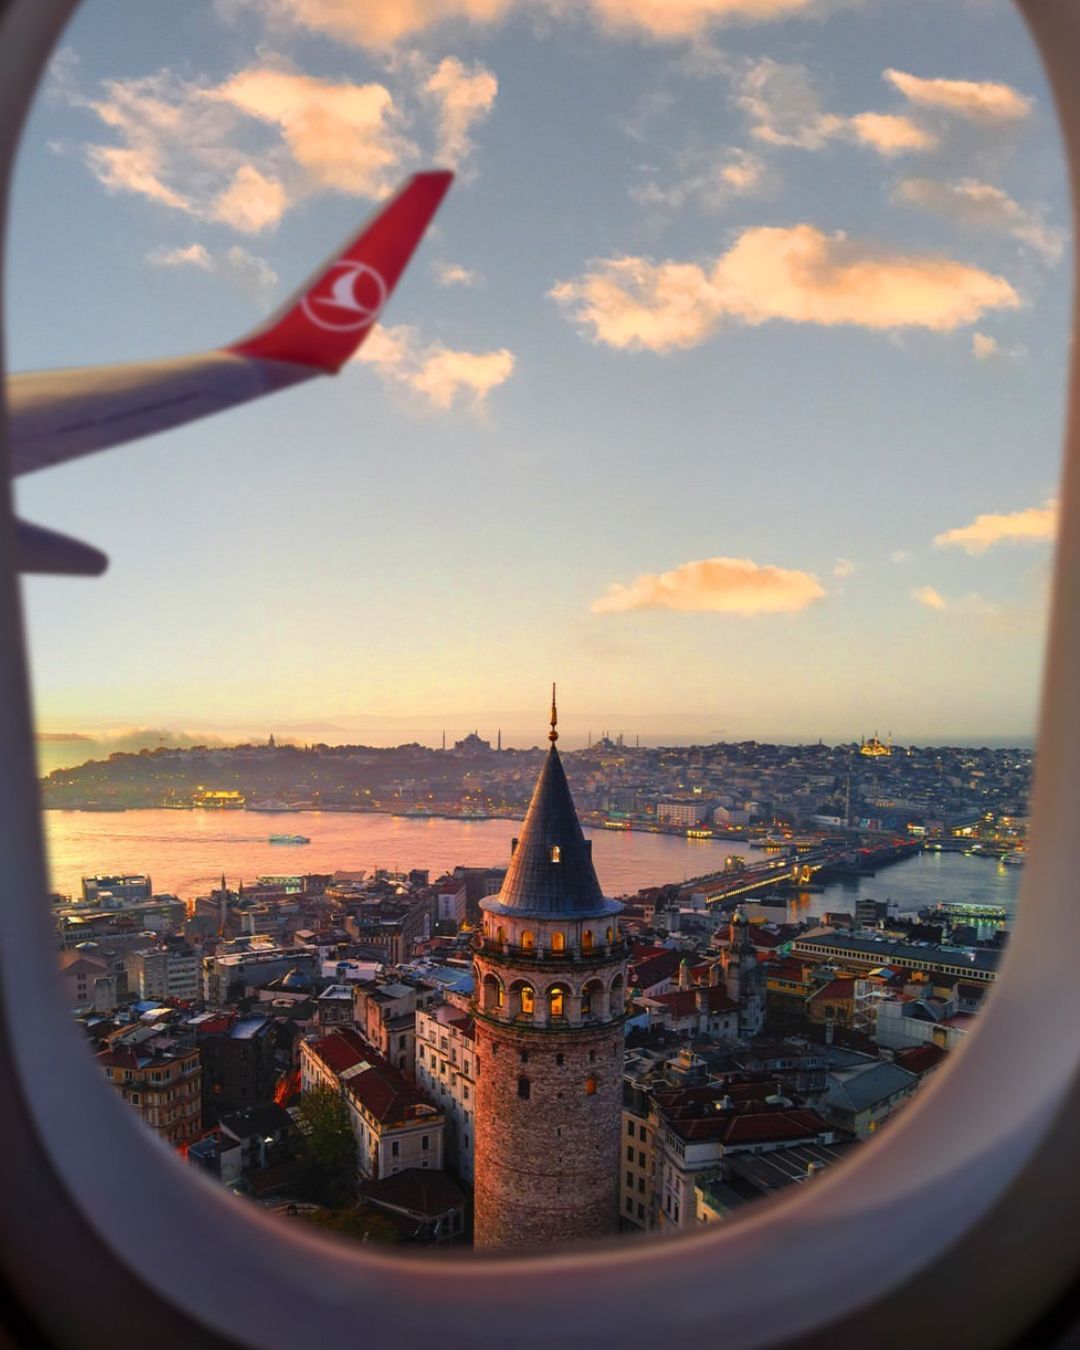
(976, 100)
(1034, 525)
(797, 274)
(890, 134)
(436, 377)
(982, 206)
(718, 586)
(345, 136)
(381, 23)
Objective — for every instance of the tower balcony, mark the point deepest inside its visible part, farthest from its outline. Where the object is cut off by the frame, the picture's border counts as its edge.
(598, 954)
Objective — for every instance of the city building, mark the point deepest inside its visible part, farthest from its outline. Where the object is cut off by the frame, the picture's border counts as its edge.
(164, 1084)
(550, 993)
(395, 1127)
(169, 971)
(446, 1072)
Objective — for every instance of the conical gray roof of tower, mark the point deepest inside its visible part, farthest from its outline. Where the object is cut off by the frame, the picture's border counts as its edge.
(542, 882)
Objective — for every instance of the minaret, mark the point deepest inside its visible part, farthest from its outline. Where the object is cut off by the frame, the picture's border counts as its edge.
(549, 995)
(500, 741)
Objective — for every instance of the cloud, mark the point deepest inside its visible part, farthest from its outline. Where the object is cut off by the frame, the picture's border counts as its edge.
(797, 274)
(975, 100)
(843, 568)
(463, 95)
(252, 202)
(250, 274)
(718, 586)
(672, 20)
(710, 182)
(1034, 525)
(382, 23)
(890, 134)
(984, 347)
(982, 206)
(246, 272)
(932, 599)
(784, 108)
(347, 137)
(194, 255)
(436, 377)
(387, 23)
(243, 151)
(453, 274)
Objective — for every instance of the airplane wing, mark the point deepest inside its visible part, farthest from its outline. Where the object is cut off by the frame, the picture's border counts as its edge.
(59, 415)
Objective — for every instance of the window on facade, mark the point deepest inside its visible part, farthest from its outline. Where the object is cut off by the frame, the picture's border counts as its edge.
(560, 1060)
(629, 1205)
(641, 1159)
(524, 1088)
(586, 940)
(425, 1141)
(558, 942)
(590, 1086)
(528, 940)
(641, 1185)
(557, 1001)
(630, 1128)
(629, 1180)
(395, 1149)
(630, 1155)
(610, 936)
(641, 1211)
(527, 999)
(556, 853)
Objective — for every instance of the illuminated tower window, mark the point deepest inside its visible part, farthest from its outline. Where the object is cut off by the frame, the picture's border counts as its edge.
(556, 853)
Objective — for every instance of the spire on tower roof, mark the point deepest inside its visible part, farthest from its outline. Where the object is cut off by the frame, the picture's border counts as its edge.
(551, 871)
(553, 734)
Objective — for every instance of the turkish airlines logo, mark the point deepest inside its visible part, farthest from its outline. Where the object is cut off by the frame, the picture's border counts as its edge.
(349, 297)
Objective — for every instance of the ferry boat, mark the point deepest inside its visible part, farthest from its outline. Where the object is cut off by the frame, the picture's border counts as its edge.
(270, 804)
(211, 799)
(1016, 858)
(289, 839)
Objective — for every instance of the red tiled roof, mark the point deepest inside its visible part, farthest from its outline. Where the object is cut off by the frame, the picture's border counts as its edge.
(653, 969)
(415, 1190)
(380, 1089)
(920, 1059)
(684, 1002)
(342, 1049)
(841, 988)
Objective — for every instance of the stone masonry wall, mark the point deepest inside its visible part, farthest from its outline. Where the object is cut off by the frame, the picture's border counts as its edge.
(546, 1167)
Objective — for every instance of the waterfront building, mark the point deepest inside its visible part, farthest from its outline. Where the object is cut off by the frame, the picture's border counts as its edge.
(550, 994)
(116, 889)
(977, 965)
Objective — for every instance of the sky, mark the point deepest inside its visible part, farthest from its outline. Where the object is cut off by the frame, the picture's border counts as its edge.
(726, 390)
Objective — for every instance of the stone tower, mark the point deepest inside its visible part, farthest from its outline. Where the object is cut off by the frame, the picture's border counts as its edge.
(550, 993)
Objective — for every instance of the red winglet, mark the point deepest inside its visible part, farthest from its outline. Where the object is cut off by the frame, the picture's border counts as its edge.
(325, 323)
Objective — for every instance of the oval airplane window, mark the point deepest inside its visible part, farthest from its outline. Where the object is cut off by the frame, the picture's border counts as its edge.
(934, 1172)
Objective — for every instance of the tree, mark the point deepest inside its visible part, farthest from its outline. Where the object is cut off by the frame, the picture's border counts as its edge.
(362, 1225)
(331, 1146)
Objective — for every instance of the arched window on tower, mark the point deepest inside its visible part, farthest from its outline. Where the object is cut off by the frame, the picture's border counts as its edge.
(493, 992)
(556, 853)
(528, 941)
(528, 1000)
(557, 996)
(500, 935)
(610, 937)
(558, 942)
(524, 1088)
(586, 940)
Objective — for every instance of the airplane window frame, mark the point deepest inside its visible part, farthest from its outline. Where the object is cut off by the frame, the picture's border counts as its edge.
(963, 1191)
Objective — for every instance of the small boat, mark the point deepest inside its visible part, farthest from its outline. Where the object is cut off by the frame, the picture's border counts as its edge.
(289, 839)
